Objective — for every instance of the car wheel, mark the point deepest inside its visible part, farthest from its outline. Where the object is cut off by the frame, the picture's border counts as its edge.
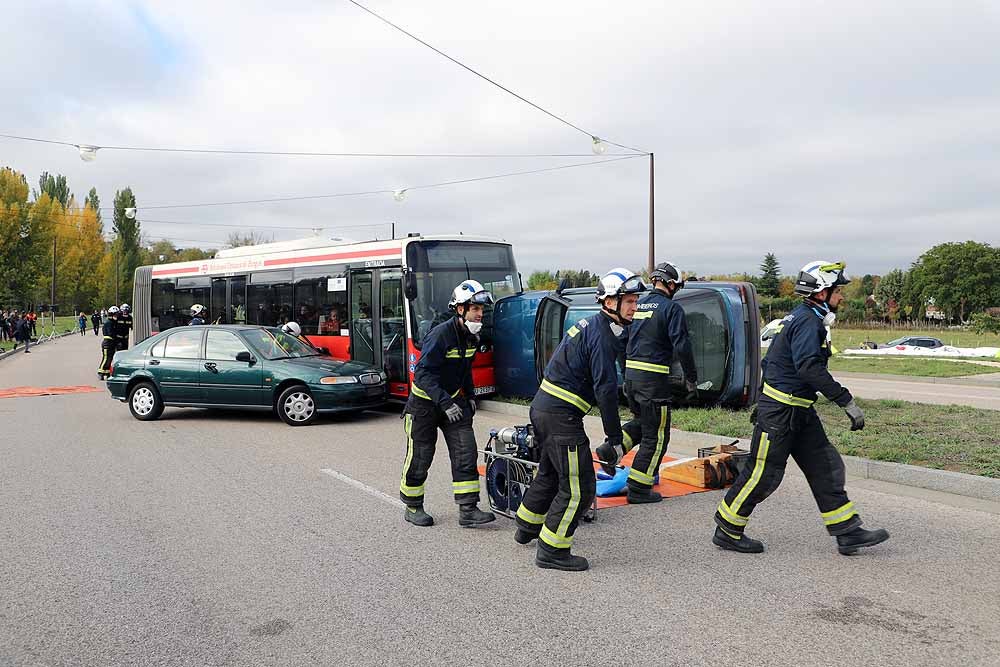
(145, 402)
(296, 406)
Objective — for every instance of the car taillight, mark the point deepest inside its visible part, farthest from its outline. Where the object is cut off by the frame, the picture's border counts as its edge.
(112, 370)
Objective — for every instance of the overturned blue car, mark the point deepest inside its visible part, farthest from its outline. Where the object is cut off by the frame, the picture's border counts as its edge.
(722, 319)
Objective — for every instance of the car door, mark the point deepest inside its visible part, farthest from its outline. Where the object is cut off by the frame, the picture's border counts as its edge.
(226, 380)
(179, 368)
(550, 326)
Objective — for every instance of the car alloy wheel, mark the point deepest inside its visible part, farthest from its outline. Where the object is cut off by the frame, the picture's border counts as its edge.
(299, 407)
(143, 401)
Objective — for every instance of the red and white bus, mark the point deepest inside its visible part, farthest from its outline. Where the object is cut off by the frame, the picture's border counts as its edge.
(371, 301)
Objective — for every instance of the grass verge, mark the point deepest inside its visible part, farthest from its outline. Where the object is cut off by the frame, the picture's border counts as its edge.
(945, 437)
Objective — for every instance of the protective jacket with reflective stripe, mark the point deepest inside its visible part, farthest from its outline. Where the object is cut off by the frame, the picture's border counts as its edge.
(445, 366)
(109, 329)
(795, 367)
(657, 334)
(582, 373)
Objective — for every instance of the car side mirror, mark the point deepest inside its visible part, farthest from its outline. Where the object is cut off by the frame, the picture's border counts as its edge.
(245, 357)
(410, 284)
(324, 350)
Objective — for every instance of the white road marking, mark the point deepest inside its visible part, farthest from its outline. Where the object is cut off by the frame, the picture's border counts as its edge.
(395, 502)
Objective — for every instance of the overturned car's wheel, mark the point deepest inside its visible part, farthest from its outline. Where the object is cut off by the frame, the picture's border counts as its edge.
(296, 406)
(144, 402)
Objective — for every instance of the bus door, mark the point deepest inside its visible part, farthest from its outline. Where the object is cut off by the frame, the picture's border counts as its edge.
(363, 335)
(378, 330)
(228, 300)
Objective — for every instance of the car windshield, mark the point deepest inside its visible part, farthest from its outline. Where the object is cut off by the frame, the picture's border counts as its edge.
(898, 341)
(275, 344)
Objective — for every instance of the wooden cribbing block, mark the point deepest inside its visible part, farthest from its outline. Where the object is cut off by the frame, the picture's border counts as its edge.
(706, 473)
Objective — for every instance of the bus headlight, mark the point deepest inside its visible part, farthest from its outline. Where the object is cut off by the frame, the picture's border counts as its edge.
(343, 379)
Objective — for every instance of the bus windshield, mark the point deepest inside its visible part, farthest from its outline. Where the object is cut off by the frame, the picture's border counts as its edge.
(441, 265)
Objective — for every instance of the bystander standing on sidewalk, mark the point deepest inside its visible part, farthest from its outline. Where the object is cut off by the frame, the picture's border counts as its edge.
(82, 320)
(24, 333)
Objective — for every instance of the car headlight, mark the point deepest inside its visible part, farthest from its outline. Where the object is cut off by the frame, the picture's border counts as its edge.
(372, 378)
(339, 379)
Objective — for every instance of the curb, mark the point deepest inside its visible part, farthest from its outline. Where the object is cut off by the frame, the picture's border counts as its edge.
(944, 481)
(11, 353)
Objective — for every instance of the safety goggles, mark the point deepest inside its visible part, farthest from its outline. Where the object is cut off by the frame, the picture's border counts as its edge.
(633, 285)
(483, 298)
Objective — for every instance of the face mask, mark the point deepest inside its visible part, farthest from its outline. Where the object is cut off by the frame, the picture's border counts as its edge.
(473, 327)
(829, 319)
(616, 329)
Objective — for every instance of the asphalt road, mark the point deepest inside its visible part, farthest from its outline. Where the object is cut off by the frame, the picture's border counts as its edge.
(218, 539)
(979, 394)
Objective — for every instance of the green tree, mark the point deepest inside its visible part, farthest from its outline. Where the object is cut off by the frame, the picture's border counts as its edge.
(94, 203)
(542, 280)
(868, 284)
(962, 278)
(770, 276)
(890, 287)
(126, 247)
(55, 187)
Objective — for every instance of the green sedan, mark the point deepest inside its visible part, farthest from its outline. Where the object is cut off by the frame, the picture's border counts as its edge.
(257, 368)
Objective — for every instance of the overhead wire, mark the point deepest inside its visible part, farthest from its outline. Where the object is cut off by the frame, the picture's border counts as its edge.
(271, 200)
(491, 81)
(225, 151)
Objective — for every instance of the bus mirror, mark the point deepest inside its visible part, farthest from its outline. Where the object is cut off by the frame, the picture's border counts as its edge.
(410, 284)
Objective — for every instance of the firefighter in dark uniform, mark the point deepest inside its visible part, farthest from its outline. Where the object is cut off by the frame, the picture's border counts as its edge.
(795, 370)
(581, 373)
(124, 326)
(442, 397)
(657, 335)
(109, 343)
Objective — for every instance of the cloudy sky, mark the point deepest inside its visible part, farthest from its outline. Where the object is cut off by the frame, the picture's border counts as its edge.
(867, 131)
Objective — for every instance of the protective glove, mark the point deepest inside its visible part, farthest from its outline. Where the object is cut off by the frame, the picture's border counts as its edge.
(856, 415)
(453, 413)
(473, 406)
(609, 453)
(692, 391)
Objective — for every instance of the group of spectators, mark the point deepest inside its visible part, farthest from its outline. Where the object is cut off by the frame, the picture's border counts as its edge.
(18, 327)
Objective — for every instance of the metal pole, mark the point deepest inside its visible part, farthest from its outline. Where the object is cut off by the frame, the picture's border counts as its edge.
(651, 262)
(53, 274)
(117, 276)
(393, 230)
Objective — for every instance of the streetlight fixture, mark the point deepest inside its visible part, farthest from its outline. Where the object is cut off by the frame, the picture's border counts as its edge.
(88, 153)
(399, 195)
(130, 213)
(598, 146)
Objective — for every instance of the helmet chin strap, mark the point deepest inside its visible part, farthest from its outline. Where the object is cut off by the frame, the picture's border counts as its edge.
(616, 314)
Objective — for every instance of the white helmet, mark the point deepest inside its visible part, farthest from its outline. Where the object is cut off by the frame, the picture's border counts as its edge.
(470, 292)
(819, 275)
(292, 329)
(113, 310)
(126, 308)
(617, 282)
(197, 310)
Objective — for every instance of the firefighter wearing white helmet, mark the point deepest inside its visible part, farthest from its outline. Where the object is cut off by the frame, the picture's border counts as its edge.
(198, 313)
(109, 343)
(658, 336)
(124, 326)
(581, 373)
(443, 397)
(794, 371)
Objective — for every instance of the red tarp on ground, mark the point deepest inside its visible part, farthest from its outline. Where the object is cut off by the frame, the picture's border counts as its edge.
(20, 392)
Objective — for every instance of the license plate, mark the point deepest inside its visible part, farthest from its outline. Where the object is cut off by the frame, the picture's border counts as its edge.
(488, 389)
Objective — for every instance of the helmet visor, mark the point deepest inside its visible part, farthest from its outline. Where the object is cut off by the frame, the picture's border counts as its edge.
(483, 298)
(633, 285)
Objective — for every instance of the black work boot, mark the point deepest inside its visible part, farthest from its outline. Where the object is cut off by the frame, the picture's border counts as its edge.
(849, 543)
(521, 536)
(559, 559)
(608, 457)
(418, 517)
(638, 496)
(735, 542)
(471, 516)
